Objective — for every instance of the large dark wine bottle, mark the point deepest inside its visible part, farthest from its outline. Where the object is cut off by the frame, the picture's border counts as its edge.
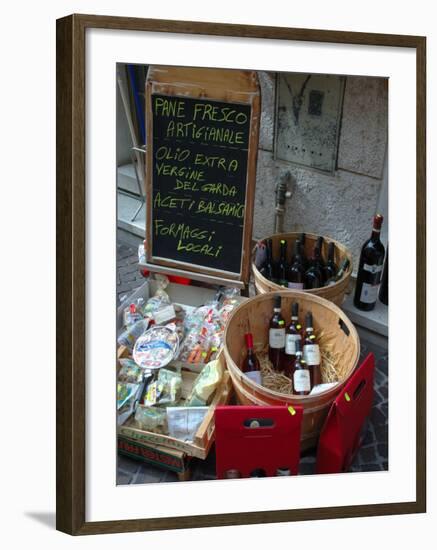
(383, 290)
(330, 268)
(318, 257)
(268, 269)
(314, 276)
(250, 365)
(282, 265)
(302, 239)
(296, 270)
(370, 268)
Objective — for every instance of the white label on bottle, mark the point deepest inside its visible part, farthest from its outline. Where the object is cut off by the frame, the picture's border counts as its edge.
(372, 268)
(311, 354)
(290, 343)
(277, 338)
(254, 375)
(297, 286)
(369, 293)
(301, 380)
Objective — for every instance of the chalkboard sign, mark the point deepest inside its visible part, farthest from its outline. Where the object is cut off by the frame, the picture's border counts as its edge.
(198, 172)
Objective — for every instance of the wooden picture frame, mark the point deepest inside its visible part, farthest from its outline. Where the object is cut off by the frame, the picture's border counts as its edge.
(71, 254)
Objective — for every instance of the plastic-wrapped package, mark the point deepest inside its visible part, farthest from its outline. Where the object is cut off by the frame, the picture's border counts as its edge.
(229, 303)
(165, 390)
(133, 313)
(215, 339)
(194, 321)
(194, 345)
(156, 347)
(183, 422)
(204, 341)
(141, 253)
(157, 302)
(205, 385)
(151, 419)
(177, 325)
(130, 371)
(126, 393)
(131, 334)
(161, 310)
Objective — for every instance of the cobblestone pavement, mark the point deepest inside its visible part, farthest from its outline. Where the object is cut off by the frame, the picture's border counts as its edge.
(372, 456)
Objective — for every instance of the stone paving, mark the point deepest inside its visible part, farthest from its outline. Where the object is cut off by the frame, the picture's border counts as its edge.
(372, 456)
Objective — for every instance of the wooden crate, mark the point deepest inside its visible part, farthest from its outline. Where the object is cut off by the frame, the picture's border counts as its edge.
(191, 296)
(158, 455)
(205, 434)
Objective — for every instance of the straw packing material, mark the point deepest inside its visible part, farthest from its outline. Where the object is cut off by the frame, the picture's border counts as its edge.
(332, 368)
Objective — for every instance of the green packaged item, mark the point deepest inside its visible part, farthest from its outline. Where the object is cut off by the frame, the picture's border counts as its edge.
(151, 419)
(126, 392)
(165, 390)
(205, 385)
(130, 371)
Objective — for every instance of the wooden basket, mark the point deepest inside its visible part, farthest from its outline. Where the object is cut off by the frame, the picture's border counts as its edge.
(334, 293)
(254, 316)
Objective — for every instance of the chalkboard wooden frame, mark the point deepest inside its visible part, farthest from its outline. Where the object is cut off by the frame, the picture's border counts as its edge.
(70, 265)
(230, 86)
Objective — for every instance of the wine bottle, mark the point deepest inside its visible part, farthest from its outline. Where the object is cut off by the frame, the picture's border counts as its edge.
(383, 291)
(292, 334)
(313, 275)
(318, 258)
(250, 365)
(277, 336)
(301, 374)
(311, 351)
(232, 474)
(283, 471)
(296, 270)
(268, 269)
(341, 271)
(302, 240)
(282, 265)
(258, 472)
(370, 268)
(330, 268)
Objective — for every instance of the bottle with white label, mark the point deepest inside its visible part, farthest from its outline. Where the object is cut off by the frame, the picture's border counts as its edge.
(250, 365)
(344, 266)
(301, 374)
(292, 334)
(277, 336)
(311, 351)
(370, 269)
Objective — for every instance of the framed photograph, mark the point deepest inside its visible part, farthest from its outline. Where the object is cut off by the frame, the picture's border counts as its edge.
(212, 180)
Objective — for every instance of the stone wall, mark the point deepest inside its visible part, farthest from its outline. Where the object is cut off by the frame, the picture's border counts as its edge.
(340, 205)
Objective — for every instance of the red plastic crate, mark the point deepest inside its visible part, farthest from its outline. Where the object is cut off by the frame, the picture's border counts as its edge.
(340, 437)
(251, 438)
